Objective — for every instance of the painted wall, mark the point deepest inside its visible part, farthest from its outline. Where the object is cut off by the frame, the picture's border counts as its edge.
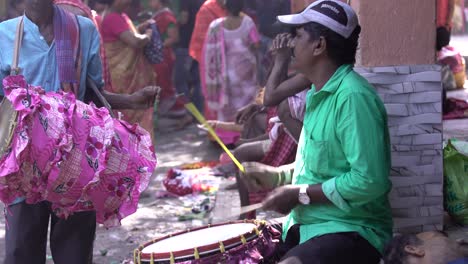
(397, 32)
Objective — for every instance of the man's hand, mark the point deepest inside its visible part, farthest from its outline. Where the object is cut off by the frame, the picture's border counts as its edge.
(246, 112)
(259, 177)
(282, 46)
(145, 98)
(283, 199)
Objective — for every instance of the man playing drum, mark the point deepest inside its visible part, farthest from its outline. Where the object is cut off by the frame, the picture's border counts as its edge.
(45, 60)
(336, 200)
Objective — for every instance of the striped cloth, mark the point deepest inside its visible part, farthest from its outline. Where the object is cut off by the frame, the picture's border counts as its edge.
(96, 20)
(68, 52)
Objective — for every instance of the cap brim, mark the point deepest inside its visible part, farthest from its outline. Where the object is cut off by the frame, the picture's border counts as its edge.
(293, 20)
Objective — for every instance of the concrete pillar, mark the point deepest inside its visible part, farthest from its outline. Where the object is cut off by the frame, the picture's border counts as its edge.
(397, 32)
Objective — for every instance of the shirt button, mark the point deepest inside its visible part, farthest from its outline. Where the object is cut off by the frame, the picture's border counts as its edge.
(41, 37)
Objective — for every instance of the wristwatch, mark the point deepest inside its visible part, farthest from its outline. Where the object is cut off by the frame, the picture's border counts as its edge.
(303, 196)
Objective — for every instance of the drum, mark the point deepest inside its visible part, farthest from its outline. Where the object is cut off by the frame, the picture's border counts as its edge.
(73, 155)
(234, 242)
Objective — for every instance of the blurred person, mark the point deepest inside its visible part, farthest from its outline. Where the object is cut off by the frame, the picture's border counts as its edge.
(100, 7)
(129, 69)
(50, 34)
(170, 105)
(228, 65)
(433, 247)
(186, 73)
(209, 11)
(444, 17)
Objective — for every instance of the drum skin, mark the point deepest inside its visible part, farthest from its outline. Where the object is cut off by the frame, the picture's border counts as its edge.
(73, 155)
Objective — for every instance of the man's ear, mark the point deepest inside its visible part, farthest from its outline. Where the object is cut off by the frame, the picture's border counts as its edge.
(415, 251)
(320, 46)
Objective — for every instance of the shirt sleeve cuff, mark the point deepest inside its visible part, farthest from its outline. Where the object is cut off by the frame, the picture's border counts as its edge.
(329, 189)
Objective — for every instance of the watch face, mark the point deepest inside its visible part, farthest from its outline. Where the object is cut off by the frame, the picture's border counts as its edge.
(304, 198)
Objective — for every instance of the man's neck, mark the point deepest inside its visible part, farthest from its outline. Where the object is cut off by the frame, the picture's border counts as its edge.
(115, 9)
(42, 16)
(321, 74)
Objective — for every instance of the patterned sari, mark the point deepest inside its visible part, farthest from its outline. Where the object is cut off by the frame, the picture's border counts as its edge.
(228, 68)
(129, 68)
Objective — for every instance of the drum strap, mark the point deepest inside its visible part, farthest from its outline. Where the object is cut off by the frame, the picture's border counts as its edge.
(15, 70)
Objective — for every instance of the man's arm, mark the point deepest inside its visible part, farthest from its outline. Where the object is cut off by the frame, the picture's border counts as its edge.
(278, 86)
(136, 40)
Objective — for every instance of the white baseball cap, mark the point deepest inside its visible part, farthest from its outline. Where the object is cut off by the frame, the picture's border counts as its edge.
(335, 15)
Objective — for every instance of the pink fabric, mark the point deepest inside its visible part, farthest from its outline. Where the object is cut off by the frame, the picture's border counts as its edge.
(73, 155)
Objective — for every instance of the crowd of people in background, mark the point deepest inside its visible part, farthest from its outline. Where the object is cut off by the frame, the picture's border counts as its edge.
(216, 54)
(195, 67)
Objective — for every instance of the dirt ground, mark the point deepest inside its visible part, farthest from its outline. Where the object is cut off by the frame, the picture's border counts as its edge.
(155, 217)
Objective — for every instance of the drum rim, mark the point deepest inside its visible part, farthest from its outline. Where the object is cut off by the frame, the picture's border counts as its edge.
(204, 250)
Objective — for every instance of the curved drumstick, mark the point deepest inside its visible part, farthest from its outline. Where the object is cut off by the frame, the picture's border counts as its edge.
(194, 111)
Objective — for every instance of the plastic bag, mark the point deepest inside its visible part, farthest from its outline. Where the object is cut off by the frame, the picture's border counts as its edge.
(456, 180)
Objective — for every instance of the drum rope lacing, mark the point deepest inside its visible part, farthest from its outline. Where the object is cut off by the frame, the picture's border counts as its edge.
(172, 258)
(221, 247)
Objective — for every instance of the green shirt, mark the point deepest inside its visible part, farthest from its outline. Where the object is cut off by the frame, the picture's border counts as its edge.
(345, 146)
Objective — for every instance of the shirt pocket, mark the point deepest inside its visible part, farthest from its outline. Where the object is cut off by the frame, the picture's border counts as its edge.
(316, 157)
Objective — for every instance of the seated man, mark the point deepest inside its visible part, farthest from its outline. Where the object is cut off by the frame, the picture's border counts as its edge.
(428, 247)
(337, 198)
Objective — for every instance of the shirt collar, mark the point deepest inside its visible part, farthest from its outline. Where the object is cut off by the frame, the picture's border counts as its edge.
(332, 85)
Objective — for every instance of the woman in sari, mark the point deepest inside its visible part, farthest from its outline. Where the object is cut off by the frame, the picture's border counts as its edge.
(129, 69)
(229, 65)
(170, 105)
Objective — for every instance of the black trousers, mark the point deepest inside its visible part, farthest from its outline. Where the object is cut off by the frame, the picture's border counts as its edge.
(71, 240)
(334, 248)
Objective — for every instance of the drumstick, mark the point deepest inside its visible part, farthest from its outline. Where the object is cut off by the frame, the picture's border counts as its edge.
(194, 111)
(244, 209)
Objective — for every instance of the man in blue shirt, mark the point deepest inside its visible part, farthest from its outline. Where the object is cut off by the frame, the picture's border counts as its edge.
(71, 240)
